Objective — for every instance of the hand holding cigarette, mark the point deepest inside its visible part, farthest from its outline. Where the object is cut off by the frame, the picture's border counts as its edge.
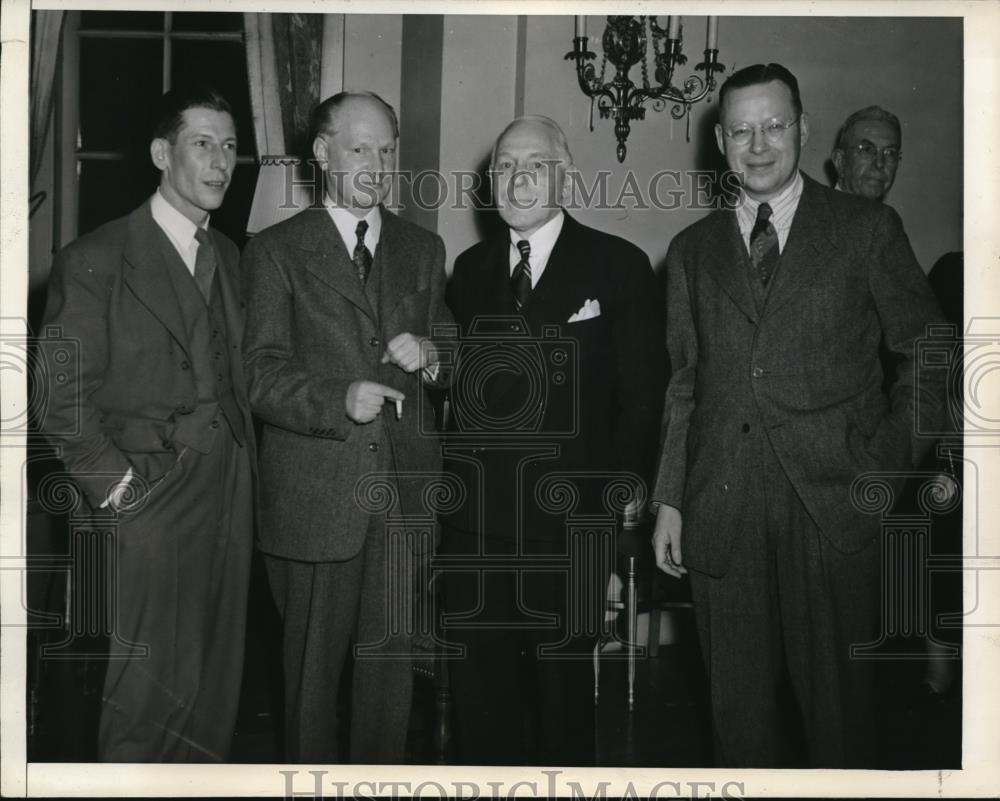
(365, 399)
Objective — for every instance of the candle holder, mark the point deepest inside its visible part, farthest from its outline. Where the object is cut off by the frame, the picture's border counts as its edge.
(626, 42)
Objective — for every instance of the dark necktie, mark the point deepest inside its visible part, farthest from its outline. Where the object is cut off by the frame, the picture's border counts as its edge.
(362, 256)
(764, 251)
(520, 280)
(204, 264)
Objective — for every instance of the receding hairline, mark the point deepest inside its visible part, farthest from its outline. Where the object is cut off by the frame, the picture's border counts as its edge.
(868, 114)
(778, 81)
(556, 136)
(326, 113)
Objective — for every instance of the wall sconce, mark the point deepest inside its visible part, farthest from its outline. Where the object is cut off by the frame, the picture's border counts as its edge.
(626, 42)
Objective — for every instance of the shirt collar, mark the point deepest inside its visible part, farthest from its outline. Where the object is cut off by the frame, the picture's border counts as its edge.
(783, 208)
(347, 225)
(179, 227)
(542, 241)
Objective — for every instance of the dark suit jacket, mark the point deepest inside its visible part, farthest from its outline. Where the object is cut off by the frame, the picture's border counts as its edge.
(131, 400)
(805, 368)
(311, 332)
(578, 398)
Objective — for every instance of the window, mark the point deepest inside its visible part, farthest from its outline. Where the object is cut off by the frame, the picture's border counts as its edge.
(115, 67)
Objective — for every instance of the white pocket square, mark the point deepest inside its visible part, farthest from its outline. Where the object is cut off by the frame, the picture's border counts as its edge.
(589, 310)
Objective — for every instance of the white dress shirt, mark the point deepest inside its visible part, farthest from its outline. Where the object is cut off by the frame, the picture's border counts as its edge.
(178, 228)
(347, 225)
(782, 211)
(542, 242)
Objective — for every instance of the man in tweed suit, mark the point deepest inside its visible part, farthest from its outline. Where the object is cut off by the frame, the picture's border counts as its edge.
(341, 300)
(774, 316)
(165, 441)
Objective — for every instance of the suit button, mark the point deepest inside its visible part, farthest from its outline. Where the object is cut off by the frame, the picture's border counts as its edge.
(186, 408)
(373, 446)
(185, 365)
(758, 372)
(374, 342)
(214, 424)
(725, 487)
(746, 428)
(515, 327)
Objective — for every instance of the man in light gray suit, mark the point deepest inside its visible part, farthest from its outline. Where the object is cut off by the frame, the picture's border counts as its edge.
(341, 300)
(775, 406)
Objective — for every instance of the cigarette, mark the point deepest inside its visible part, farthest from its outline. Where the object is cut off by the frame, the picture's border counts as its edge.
(399, 409)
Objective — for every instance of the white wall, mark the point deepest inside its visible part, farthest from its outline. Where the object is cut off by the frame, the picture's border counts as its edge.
(841, 64)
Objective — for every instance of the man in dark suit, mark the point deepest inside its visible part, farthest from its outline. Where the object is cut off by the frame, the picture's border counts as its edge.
(164, 440)
(775, 312)
(557, 396)
(341, 300)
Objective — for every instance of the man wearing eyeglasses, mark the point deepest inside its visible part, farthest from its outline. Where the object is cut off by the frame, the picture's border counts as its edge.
(775, 407)
(867, 153)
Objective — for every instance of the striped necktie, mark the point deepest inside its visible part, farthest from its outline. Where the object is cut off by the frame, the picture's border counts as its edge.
(520, 280)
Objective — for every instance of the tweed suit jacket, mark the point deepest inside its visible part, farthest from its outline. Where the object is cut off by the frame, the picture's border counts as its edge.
(598, 409)
(131, 399)
(311, 332)
(804, 369)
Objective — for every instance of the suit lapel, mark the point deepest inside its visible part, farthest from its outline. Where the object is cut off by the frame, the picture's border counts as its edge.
(399, 276)
(329, 260)
(726, 260)
(231, 304)
(551, 301)
(147, 275)
(808, 249)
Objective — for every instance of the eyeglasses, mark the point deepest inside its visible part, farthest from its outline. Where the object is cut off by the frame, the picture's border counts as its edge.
(870, 151)
(773, 130)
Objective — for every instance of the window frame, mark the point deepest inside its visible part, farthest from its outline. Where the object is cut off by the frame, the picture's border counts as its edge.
(68, 156)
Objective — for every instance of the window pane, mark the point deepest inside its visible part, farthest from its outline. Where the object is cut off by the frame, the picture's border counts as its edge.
(231, 217)
(206, 21)
(120, 82)
(121, 20)
(224, 65)
(110, 189)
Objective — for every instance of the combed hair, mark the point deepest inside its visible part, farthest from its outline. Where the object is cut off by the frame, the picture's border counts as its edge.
(868, 113)
(321, 120)
(169, 114)
(562, 144)
(759, 74)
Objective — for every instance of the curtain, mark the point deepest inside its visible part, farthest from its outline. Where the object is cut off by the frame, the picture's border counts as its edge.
(284, 61)
(46, 38)
(284, 65)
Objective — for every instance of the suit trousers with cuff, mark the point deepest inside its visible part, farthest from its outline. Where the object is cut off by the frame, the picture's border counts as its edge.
(523, 692)
(327, 607)
(183, 573)
(776, 632)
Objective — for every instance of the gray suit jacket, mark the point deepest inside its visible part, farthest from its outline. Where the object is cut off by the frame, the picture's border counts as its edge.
(311, 332)
(805, 368)
(130, 400)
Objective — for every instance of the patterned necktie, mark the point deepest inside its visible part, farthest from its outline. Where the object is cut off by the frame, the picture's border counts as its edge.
(362, 256)
(764, 251)
(520, 280)
(204, 264)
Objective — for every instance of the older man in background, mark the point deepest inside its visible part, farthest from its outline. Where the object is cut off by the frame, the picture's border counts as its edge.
(867, 152)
